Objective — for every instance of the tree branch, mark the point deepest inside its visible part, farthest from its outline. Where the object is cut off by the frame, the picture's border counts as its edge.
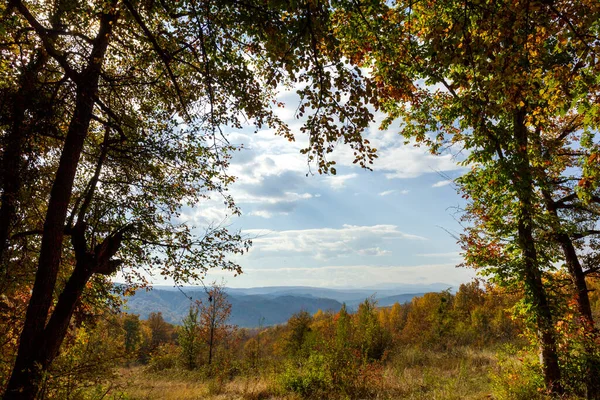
(48, 46)
(163, 56)
(585, 233)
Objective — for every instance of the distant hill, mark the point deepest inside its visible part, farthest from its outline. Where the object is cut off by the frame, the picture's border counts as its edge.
(246, 310)
(267, 305)
(400, 298)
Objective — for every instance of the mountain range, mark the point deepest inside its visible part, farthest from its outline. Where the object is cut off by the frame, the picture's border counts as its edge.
(272, 305)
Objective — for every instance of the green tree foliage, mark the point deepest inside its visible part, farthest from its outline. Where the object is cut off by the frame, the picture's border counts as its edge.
(345, 354)
(514, 84)
(146, 343)
(343, 369)
(429, 319)
(343, 330)
(112, 118)
(89, 360)
(189, 338)
(299, 329)
(164, 357)
(372, 339)
(133, 333)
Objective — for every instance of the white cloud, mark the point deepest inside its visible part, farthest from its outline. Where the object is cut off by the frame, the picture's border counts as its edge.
(442, 183)
(388, 192)
(373, 251)
(206, 213)
(339, 181)
(404, 162)
(395, 158)
(274, 154)
(325, 243)
(261, 213)
(362, 275)
(286, 197)
(451, 254)
(271, 172)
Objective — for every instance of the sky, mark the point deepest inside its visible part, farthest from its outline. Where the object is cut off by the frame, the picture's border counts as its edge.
(359, 228)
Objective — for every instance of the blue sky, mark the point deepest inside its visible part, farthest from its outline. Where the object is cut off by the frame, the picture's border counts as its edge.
(358, 228)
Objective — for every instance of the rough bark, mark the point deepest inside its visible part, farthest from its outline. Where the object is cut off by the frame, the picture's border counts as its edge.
(213, 323)
(32, 356)
(532, 273)
(581, 296)
(573, 265)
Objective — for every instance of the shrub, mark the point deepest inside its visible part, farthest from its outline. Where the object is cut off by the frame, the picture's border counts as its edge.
(518, 376)
(164, 357)
(89, 359)
(310, 379)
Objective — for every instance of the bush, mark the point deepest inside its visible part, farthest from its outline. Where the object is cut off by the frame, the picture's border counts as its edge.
(310, 379)
(89, 360)
(518, 376)
(164, 357)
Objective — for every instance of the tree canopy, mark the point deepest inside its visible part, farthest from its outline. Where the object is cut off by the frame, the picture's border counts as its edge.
(514, 85)
(112, 119)
(114, 116)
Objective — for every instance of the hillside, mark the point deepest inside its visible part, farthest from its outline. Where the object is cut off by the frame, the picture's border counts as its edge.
(255, 306)
(246, 310)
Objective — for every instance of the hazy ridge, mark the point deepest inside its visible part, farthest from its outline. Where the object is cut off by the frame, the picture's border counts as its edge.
(251, 307)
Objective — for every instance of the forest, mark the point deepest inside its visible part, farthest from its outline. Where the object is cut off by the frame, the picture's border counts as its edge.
(466, 345)
(115, 117)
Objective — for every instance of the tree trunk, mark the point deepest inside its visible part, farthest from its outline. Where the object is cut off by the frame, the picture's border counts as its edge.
(543, 313)
(56, 329)
(581, 295)
(523, 181)
(211, 339)
(32, 356)
(573, 265)
(585, 311)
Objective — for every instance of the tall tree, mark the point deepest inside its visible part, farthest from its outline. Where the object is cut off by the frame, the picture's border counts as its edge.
(213, 319)
(299, 326)
(189, 338)
(138, 93)
(502, 80)
(133, 334)
(159, 329)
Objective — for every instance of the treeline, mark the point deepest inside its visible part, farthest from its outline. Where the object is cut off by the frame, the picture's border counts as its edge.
(326, 354)
(343, 353)
(474, 316)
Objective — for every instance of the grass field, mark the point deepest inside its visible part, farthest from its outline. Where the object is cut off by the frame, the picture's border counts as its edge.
(412, 374)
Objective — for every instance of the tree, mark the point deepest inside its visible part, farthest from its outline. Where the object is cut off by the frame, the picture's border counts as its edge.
(343, 343)
(133, 334)
(159, 329)
(213, 319)
(370, 336)
(468, 297)
(512, 83)
(132, 100)
(94, 353)
(189, 338)
(146, 349)
(299, 326)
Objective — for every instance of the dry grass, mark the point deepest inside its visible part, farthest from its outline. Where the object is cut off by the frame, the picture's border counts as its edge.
(421, 374)
(410, 374)
(134, 383)
(137, 384)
